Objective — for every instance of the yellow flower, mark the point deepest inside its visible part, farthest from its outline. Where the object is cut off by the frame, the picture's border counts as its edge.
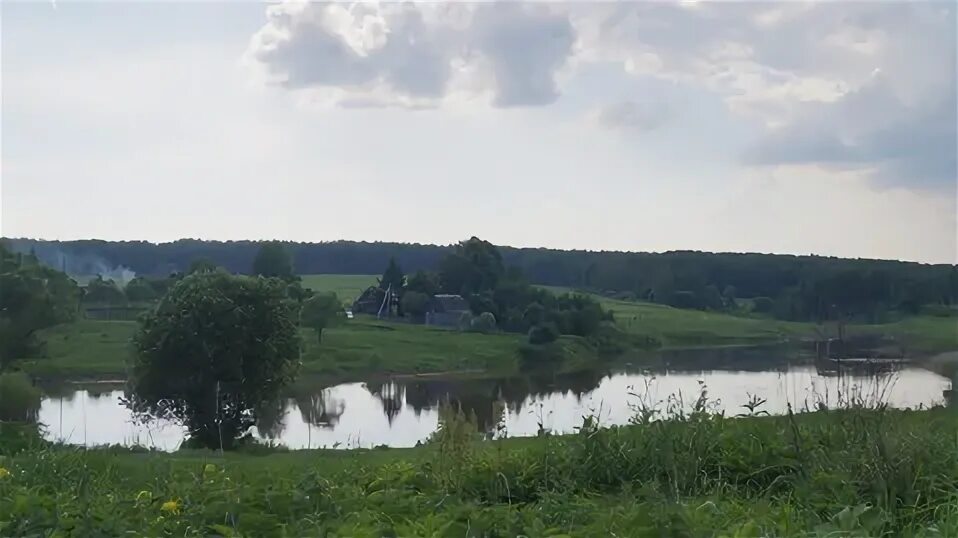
(171, 507)
(4, 473)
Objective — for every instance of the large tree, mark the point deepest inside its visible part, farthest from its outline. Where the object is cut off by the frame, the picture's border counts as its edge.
(321, 311)
(272, 260)
(216, 348)
(474, 266)
(392, 277)
(32, 297)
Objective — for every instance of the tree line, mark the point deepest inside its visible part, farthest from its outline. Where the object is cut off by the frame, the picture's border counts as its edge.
(783, 286)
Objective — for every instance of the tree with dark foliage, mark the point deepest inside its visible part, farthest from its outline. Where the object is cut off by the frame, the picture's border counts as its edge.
(32, 297)
(273, 260)
(216, 348)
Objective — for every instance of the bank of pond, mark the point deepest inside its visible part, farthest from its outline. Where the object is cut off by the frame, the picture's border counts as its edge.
(850, 472)
(403, 411)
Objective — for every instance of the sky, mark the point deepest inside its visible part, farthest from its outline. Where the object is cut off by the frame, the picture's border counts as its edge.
(785, 127)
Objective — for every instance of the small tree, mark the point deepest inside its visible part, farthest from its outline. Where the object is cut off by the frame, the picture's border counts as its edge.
(320, 311)
(763, 305)
(415, 304)
(102, 291)
(272, 260)
(216, 348)
(543, 334)
(484, 323)
(139, 290)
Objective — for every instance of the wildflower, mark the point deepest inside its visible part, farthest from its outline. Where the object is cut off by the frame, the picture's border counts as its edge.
(171, 507)
(4, 472)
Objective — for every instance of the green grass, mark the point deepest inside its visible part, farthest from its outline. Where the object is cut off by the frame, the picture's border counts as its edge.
(363, 346)
(85, 348)
(354, 351)
(676, 327)
(346, 287)
(846, 473)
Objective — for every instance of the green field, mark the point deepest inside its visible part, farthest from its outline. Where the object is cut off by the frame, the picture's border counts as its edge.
(354, 351)
(346, 287)
(839, 473)
(676, 327)
(364, 347)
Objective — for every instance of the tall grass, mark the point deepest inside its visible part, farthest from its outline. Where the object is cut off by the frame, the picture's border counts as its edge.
(857, 471)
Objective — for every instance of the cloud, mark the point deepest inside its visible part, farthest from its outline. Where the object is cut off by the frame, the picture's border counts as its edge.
(847, 84)
(869, 86)
(415, 55)
(871, 127)
(634, 116)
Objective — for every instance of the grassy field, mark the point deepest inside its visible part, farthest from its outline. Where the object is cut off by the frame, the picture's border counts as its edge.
(844, 473)
(353, 351)
(363, 347)
(676, 327)
(347, 287)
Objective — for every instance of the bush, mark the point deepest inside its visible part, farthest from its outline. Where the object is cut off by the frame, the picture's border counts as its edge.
(543, 334)
(415, 304)
(762, 305)
(484, 323)
(19, 399)
(532, 356)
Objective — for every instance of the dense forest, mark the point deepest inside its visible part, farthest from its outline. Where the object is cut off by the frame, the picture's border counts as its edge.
(784, 286)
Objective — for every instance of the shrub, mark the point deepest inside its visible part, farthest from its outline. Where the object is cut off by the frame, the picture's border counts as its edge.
(484, 323)
(762, 305)
(19, 399)
(543, 334)
(532, 356)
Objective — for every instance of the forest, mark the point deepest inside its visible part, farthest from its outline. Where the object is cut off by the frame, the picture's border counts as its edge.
(805, 288)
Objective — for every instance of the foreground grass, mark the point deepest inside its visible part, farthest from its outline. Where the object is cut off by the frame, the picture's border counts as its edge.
(847, 473)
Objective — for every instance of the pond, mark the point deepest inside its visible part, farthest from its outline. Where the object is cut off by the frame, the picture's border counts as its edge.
(400, 413)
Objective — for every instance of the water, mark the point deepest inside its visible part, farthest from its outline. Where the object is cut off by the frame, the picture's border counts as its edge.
(401, 413)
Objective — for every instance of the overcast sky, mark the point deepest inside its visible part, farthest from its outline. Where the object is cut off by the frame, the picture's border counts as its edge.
(773, 127)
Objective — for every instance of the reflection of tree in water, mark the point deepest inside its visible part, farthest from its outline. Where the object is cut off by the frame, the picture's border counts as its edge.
(391, 396)
(320, 409)
(270, 418)
(480, 397)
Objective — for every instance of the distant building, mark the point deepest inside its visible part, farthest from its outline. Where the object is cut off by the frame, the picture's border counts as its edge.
(369, 301)
(446, 310)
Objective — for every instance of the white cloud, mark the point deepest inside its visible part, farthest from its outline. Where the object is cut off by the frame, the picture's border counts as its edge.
(415, 55)
(851, 84)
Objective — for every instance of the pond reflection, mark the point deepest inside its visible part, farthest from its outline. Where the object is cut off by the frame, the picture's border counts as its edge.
(403, 412)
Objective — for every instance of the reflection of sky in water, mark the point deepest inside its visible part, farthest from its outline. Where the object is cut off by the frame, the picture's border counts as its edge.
(350, 415)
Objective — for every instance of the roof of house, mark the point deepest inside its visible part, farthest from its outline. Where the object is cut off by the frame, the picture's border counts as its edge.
(449, 303)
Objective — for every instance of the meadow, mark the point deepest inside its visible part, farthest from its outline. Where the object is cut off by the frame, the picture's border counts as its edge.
(364, 346)
(855, 472)
(346, 287)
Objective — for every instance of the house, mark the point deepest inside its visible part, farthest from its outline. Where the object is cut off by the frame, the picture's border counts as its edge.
(446, 310)
(369, 301)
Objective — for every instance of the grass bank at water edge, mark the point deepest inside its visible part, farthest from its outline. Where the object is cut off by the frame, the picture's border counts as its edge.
(840, 473)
